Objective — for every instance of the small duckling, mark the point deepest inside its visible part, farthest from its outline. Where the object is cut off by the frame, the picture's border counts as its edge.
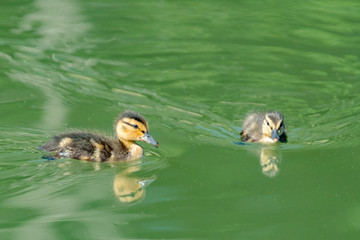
(130, 127)
(264, 127)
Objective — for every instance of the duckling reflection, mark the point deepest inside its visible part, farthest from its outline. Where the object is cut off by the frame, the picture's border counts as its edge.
(269, 161)
(266, 128)
(128, 188)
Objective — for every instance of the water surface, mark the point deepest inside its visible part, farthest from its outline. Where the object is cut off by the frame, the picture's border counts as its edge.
(194, 70)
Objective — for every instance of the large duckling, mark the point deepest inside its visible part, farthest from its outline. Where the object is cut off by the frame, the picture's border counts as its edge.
(130, 127)
(264, 127)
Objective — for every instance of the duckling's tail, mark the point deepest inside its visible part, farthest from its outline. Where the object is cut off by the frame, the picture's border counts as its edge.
(50, 157)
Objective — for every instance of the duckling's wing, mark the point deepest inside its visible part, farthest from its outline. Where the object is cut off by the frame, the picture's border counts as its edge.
(252, 128)
(244, 136)
(80, 145)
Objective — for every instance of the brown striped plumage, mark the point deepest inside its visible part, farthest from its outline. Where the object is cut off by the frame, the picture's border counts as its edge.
(129, 127)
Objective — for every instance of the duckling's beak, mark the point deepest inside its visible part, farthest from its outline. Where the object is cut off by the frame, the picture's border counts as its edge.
(275, 135)
(149, 139)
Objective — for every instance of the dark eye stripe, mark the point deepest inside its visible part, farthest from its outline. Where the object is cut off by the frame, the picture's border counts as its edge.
(133, 125)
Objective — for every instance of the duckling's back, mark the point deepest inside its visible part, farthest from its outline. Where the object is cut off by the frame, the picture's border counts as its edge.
(85, 146)
(252, 127)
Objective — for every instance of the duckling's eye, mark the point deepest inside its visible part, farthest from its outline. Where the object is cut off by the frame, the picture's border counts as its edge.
(281, 124)
(267, 123)
(136, 126)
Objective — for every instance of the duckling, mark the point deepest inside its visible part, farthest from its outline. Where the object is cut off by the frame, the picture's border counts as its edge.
(264, 127)
(129, 127)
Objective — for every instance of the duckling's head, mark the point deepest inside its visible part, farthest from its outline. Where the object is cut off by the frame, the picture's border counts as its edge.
(131, 126)
(273, 125)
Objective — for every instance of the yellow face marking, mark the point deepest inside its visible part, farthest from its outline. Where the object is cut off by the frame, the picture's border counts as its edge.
(130, 129)
(269, 126)
(65, 142)
(271, 123)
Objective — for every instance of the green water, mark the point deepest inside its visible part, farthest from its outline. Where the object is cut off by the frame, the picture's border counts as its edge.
(194, 69)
